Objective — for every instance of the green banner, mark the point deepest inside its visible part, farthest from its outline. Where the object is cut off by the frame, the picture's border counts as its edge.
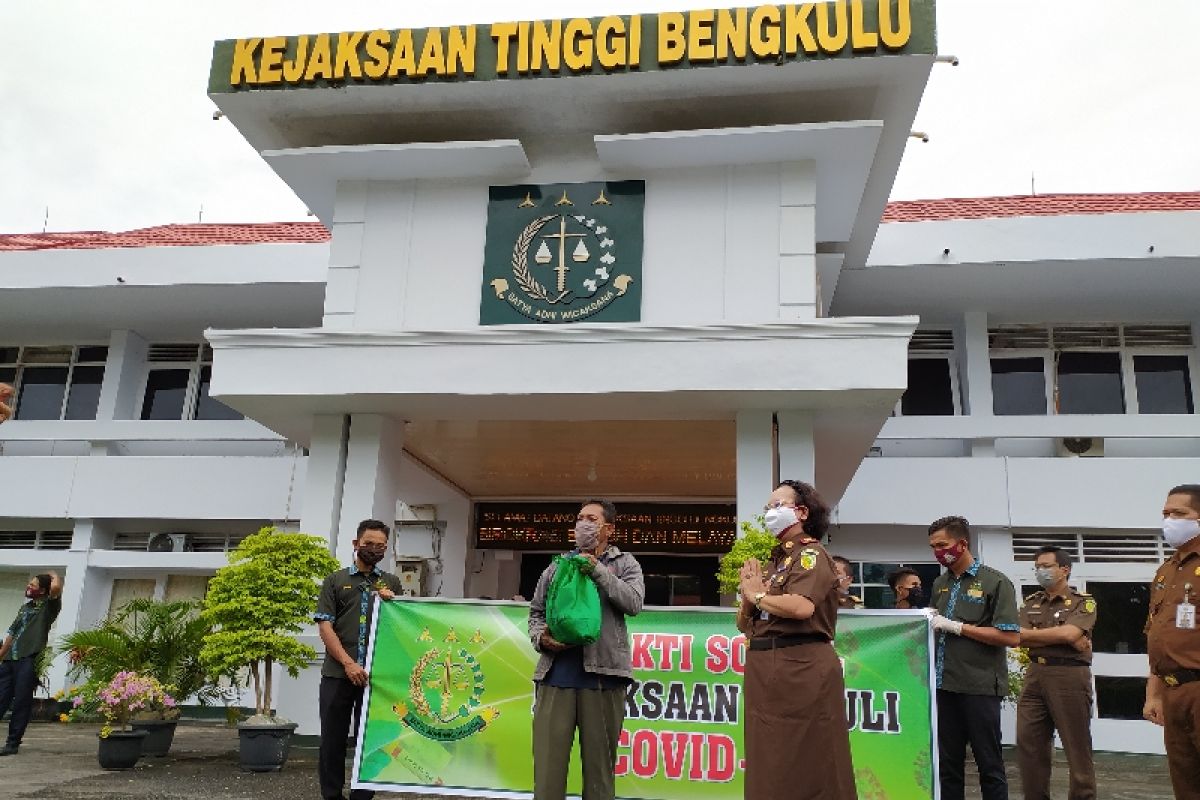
(449, 708)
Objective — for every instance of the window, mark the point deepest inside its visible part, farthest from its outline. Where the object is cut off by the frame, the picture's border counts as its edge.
(870, 581)
(1091, 369)
(177, 384)
(1163, 384)
(60, 382)
(932, 383)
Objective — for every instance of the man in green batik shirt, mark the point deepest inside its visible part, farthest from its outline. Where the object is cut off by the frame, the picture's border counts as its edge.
(24, 641)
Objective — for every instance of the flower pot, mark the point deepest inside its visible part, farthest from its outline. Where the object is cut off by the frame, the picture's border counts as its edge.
(264, 748)
(44, 710)
(121, 749)
(159, 735)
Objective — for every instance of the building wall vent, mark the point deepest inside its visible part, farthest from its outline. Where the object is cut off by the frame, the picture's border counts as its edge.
(1158, 335)
(1085, 337)
(1093, 548)
(931, 341)
(1019, 337)
(172, 352)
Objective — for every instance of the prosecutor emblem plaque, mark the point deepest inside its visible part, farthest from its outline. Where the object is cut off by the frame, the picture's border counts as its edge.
(563, 253)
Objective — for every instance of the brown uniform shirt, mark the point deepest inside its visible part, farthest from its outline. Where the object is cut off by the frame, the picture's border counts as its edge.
(1042, 611)
(798, 565)
(1170, 648)
(849, 601)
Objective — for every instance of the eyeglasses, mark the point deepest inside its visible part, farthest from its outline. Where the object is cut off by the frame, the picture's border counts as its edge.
(373, 548)
(779, 504)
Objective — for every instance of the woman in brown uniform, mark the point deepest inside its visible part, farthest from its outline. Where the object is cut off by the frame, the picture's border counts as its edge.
(797, 743)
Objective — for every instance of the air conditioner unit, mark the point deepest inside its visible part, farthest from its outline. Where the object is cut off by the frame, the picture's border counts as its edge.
(1080, 447)
(411, 572)
(167, 543)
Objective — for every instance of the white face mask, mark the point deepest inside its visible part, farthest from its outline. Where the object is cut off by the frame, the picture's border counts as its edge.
(1178, 532)
(780, 519)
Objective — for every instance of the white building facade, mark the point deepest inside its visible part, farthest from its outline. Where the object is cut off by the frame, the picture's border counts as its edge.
(1029, 363)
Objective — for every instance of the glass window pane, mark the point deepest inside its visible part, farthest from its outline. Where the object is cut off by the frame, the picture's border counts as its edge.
(85, 392)
(8, 355)
(92, 354)
(8, 374)
(1122, 613)
(1164, 384)
(877, 573)
(1018, 386)
(41, 394)
(206, 407)
(166, 390)
(929, 390)
(47, 355)
(1120, 698)
(1090, 383)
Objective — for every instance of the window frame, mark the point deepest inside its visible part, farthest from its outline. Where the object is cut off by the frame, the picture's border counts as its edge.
(19, 366)
(1129, 375)
(955, 394)
(1048, 377)
(191, 395)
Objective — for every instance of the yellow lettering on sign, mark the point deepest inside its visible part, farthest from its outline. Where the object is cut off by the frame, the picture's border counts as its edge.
(523, 48)
(577, 41)
(243, 62)
(832, 38)
(503, 33)
(376, 65)
(798, 29)
(635, 40)
(404, 61)
(433, 54)
(610, 42)
(293, 69)
(860, 37)
(320, 63)
(547, 46)
(731, 34)
(460, 50)
(700, 36)
(270, 64)
(764, 32)
(346, 62)
(895, 35)
(671, 43)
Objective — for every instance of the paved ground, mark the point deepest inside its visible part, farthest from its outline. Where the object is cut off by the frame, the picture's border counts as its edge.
(59, 761)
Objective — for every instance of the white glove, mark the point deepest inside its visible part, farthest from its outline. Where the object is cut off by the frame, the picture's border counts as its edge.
(946, 625)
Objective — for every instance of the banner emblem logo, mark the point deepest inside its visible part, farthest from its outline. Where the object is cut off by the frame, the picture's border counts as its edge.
(445, 691)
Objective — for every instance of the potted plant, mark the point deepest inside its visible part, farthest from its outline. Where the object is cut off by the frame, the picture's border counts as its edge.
(257, 605)
(755, 542)
(159, 639)
(126, 695)
(45, 708)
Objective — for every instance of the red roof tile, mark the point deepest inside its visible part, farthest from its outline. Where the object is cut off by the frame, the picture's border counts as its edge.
(172, 236)
(1041, 205)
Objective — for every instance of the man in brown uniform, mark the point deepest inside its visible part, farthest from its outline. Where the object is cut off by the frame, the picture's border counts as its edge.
(1173, 642)
(795, 702)
(845, 576)
(1056, 627)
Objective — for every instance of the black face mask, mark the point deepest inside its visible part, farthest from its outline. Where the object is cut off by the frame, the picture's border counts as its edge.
(370, 557)
(916, 597)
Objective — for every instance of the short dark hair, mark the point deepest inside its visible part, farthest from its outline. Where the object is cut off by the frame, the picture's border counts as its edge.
(958, 527)
(610, 510)
(895, 577)
(845, 562)
(818, 513)
(373, 525)
(44, 582)
(1062, 557)
(1192, 490)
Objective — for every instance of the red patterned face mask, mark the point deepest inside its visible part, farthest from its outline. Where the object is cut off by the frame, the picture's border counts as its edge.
(948, 555)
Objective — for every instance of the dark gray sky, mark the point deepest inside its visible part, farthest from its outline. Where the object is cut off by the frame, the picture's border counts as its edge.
(107, 123)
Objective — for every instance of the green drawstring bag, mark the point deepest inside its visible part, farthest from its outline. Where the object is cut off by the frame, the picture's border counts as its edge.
(572, 603)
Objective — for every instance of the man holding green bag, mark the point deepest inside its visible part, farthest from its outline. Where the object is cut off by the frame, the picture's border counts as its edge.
(577, 623)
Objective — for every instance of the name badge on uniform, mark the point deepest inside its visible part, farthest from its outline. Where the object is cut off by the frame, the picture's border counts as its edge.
(763, 615)
(1185, 616)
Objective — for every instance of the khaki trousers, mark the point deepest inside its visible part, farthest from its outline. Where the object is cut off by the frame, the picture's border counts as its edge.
(1056, 698)
(1181, 708)
(598, 715)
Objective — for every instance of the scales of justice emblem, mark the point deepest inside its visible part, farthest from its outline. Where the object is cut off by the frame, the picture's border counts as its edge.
(564, 265)
(445, 692)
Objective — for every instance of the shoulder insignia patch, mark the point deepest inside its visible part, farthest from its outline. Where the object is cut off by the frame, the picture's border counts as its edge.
(788, 545)
(808, 558)
(1089, 605)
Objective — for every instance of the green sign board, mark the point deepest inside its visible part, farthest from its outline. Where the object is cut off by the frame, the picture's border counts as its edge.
(766, 34)
(449, 708)
(564, 252)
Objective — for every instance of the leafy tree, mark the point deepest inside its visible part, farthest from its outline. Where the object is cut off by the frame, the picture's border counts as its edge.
(755, 542)
(259, 602)
(158, 639)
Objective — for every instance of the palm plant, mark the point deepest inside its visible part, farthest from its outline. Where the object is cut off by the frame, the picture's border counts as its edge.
(159, 639)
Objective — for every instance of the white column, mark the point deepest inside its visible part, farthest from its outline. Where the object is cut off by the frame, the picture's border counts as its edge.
(797, 452)
(755, 463)
(322, 500)
(124, 372)
(345, 255)
(372, 484)
(798, 240)
(974, 365)
(83, 593)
